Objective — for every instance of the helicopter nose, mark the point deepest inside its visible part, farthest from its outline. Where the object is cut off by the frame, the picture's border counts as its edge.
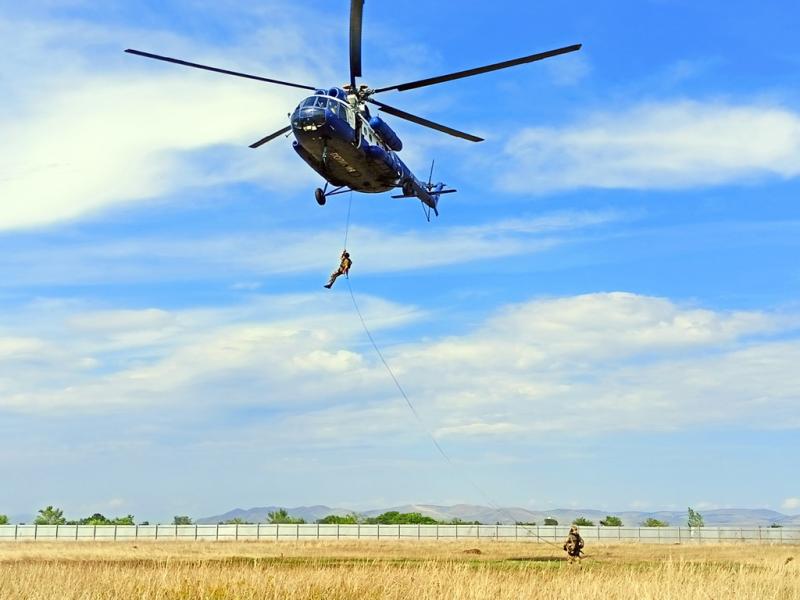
(309, 118)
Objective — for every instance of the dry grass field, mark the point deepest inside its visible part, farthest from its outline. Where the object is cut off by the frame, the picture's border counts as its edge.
(350, 570)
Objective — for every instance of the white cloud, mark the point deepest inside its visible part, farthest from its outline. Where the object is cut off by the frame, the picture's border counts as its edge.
(791, 504)
(253, 254)
(88, 134)
(592, 364)
(264, 352)
(657, 146)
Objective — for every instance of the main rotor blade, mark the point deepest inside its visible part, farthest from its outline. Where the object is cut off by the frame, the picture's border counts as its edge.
(356, 14)
(216, 70)
(478, 70)
(271, 136)
(424, 122)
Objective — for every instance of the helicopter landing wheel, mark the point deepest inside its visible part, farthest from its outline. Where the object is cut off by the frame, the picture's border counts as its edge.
(320, 196)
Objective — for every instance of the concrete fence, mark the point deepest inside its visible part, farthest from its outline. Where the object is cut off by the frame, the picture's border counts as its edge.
(523, 533)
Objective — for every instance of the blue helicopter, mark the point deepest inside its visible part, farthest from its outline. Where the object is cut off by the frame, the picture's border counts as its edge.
(350, 148)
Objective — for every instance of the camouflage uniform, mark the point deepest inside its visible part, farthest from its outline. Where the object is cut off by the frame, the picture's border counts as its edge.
(574, 545)
(344, 269)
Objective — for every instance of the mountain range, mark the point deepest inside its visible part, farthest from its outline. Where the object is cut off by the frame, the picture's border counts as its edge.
(734, 517)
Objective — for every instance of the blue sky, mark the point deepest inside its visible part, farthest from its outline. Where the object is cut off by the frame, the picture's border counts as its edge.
(609, 304)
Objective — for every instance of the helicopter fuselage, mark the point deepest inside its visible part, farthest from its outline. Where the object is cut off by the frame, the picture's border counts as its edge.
(340, 143)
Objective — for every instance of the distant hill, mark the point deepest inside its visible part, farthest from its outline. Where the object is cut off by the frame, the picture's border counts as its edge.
(733, 517)
(21, 518)
(259, 514)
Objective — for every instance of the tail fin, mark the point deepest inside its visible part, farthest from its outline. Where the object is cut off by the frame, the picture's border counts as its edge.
(435, 192)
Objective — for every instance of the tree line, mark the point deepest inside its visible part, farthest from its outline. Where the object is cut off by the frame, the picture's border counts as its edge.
(51, 515)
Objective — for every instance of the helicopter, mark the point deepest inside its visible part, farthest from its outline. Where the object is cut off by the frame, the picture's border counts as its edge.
(340, 139)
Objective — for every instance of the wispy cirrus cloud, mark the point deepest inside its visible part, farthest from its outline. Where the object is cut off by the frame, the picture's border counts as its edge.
(87, 127)
(255, 253)
(665, 145)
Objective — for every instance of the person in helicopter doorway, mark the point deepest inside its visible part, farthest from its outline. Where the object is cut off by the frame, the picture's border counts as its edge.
(344, 269)
(574, 545)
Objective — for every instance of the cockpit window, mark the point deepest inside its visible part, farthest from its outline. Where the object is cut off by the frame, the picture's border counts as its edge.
(337, 108)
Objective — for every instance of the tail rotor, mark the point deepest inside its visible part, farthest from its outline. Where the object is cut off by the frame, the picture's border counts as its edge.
(434, 191)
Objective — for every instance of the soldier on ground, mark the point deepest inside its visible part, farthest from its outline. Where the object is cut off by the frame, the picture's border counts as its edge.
(574, 545)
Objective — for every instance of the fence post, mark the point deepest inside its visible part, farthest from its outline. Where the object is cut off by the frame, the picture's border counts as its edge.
(115, 533)
(258, 531)
(77, 527)
(277, 531)
(497, 532)
(16, 531)
(57, 526)
(437, 531)
(156, 531)
(195, 532)
(296, 531)
(358, 531)
(217, 534)
(135, 533)
(237, 532)
(317, 531)
(94, 532)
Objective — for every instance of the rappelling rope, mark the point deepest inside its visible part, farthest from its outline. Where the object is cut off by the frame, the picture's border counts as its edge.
(347, 224)
(424, 427)
(394, 378)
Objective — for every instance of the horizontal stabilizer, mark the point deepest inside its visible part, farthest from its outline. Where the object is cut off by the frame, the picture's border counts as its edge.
(437, 193)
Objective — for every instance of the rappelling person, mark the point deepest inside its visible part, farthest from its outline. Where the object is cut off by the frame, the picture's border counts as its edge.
(574, 545)
(344, 269)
